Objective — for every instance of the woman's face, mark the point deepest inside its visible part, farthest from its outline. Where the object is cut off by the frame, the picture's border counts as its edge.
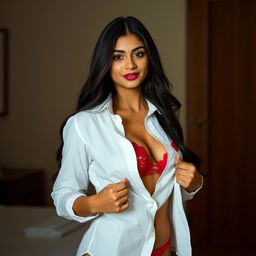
(129, 65)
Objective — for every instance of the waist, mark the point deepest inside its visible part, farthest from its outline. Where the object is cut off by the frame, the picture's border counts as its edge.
(162, 225)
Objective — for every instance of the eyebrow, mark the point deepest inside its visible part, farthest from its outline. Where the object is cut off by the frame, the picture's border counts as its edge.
(135, 49)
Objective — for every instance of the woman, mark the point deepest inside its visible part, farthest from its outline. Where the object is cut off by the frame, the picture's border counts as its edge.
(125, 139)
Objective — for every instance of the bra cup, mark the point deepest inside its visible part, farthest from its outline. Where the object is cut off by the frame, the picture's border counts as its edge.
(145, 164)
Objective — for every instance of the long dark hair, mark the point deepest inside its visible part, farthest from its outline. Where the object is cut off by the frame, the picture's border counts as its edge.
(156, 87)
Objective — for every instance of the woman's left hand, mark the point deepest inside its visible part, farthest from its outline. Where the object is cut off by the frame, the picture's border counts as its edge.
(187, 175)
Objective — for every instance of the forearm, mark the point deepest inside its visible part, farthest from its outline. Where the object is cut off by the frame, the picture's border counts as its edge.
(111, 199)
(85, 206)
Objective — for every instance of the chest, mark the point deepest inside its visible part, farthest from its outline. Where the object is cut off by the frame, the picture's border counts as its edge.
(137, 132)
(113, 156)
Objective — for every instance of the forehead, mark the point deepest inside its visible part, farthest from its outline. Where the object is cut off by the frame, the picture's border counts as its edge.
(128, 42)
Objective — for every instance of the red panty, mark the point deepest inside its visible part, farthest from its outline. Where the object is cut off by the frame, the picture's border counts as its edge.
(161, 250)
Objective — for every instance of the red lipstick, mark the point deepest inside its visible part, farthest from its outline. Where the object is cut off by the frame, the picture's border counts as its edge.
(131, 76)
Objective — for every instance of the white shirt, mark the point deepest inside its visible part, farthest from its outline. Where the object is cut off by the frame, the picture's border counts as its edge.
(96, 150)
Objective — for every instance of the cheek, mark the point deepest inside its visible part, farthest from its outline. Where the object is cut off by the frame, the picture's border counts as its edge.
(145, 67)
(145, 63)
(113, 71)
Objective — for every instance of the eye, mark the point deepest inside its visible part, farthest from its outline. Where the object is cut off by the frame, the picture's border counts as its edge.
(139, 54)
(117, 57)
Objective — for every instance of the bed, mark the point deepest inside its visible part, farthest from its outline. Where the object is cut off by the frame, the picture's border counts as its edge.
(13, 242)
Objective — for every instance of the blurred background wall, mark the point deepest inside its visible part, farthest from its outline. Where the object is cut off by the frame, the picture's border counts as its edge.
(50, 45)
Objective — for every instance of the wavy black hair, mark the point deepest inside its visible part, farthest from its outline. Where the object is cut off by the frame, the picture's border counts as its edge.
(156, 87)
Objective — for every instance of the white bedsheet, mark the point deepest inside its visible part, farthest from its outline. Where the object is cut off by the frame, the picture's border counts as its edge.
(13, 220)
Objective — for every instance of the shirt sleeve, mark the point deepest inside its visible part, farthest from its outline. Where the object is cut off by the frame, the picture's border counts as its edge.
(189, 195)
(184, 193)
(73, 179)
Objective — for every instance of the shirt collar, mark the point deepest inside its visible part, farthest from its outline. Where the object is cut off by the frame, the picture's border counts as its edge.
(107, 104)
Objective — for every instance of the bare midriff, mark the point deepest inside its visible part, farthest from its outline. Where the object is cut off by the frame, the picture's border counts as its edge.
(162, 221)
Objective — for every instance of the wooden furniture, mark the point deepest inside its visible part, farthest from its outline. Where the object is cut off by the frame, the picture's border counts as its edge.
(22, 187)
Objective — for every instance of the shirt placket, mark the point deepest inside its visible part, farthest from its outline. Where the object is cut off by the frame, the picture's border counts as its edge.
(131, 160)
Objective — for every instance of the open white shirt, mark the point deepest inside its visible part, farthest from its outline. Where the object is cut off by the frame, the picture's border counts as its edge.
(96, 150)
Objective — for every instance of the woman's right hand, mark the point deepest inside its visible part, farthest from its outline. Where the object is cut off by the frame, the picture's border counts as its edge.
(113, 198)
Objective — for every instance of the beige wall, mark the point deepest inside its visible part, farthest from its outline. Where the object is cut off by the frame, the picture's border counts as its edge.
(50, 47)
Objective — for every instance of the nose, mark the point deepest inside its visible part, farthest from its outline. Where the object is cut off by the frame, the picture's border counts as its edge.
(130, 64)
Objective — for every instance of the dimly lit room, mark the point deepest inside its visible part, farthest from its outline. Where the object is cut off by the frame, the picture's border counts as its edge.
(199, 119)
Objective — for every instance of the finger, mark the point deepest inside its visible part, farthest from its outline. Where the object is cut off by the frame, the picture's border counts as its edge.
(124, 180)
(180, 176)
(185, 175)
(181, 182)
(123, 200)
(179, 162)
(183, 172)
(122, 193)
(124, 206)
(121, 185)
(185, 166)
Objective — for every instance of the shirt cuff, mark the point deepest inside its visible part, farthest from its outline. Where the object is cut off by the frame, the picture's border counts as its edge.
(71, 213)
(189, 195)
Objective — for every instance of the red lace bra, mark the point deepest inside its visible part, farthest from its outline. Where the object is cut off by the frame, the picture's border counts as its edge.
(145, 164)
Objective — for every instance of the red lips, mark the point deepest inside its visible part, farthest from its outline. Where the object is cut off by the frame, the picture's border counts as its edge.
(131, 76)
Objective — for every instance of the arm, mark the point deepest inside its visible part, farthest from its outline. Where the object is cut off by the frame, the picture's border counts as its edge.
(111, 199)
(72, 180)
(188, 177)
(69, 191)
(186, 195)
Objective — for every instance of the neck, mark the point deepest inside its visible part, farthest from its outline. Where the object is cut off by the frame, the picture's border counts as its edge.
(128, 100)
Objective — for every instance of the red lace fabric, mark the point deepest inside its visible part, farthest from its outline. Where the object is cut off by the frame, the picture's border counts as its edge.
(144, 162)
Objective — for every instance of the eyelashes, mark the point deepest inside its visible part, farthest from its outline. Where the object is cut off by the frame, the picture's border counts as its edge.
(139, 54)
(117, 57)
